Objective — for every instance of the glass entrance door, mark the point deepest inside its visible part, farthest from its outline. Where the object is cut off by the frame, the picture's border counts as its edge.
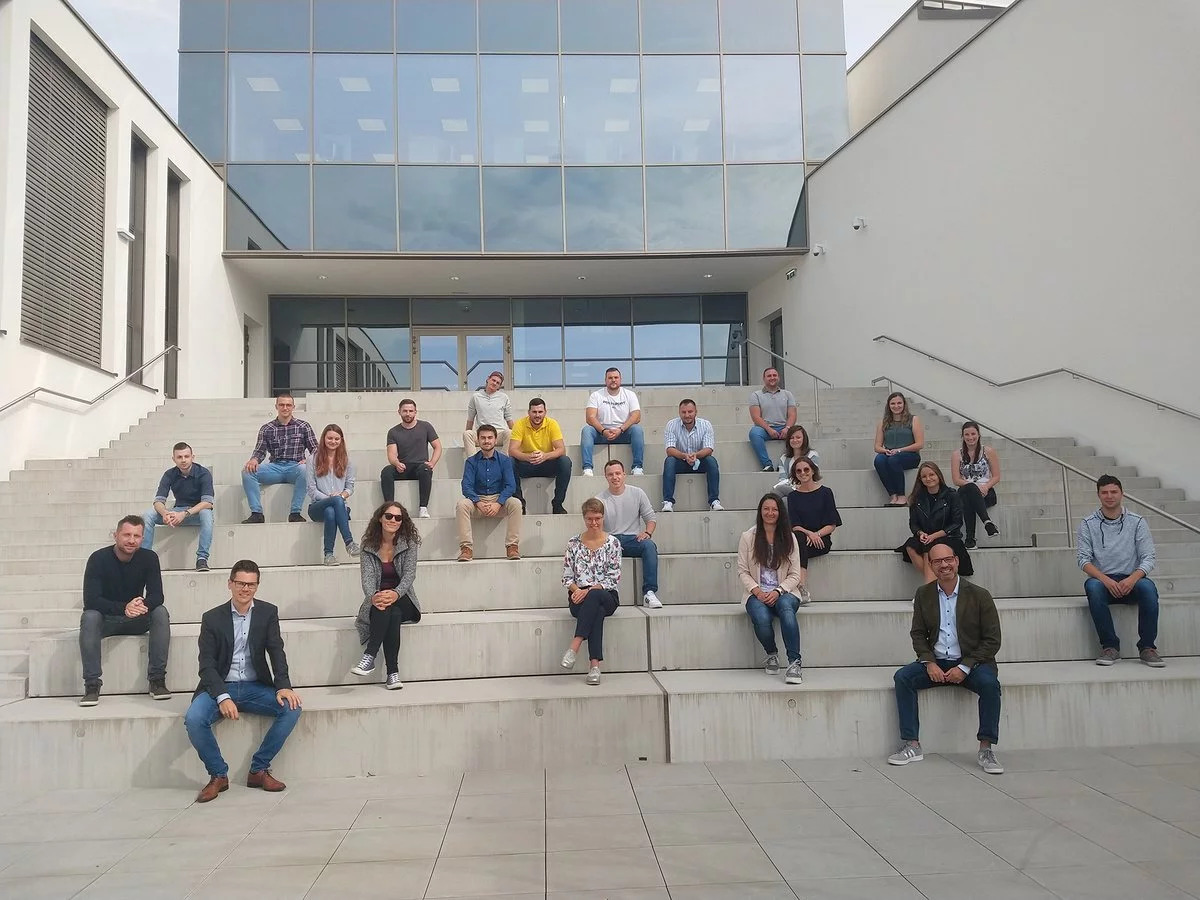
(460, 360)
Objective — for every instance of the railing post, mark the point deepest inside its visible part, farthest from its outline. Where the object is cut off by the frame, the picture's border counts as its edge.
(742, 364)
(1067, 506)
(816, 403)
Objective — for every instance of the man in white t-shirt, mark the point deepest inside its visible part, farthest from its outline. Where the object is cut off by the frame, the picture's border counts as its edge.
(613, 416)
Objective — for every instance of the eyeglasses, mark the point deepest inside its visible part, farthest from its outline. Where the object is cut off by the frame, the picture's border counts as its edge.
(394, 517)
(244, 585)
(949, 560)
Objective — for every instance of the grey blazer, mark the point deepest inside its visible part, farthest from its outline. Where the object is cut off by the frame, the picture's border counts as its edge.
(405, 559)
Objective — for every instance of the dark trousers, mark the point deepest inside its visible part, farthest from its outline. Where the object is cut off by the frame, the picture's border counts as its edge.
(808, 552)
(558, 469)
(420, 471)
(94, 625)
(1144, 594)
(891, 469)
(975, 506)
(385, 632)
(589, 615)
(708, 467)
(982, 680)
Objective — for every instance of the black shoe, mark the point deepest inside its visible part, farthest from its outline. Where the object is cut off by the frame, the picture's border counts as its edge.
(91, 695)
(768, 468)
(990, 527)
(201, 564)
(295, 517)
(558, 509)
(158, 690)
(969, 543)
(253, 519)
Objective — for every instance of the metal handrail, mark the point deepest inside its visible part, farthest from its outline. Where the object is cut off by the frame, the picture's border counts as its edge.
(1066, 466)
(98, 397)
(817, 379)
(1072, 372)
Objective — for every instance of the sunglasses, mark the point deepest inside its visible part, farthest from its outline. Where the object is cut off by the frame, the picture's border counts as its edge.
(394, 517)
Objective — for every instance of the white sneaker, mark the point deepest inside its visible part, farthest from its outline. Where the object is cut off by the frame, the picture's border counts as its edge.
(637, 470)
(588, 472)
(668, 506)
(423, 512)
(651, 600)
(593, 676)
(568, 660)
(804, 596)
(716, 506)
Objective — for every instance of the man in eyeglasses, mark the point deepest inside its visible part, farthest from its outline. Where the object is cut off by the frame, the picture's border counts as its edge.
(956, 634)
(243, 668)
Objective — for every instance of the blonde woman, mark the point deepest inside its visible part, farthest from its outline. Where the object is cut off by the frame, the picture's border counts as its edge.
(591, 572)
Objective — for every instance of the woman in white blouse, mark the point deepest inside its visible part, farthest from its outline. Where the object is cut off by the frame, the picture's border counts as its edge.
(591, 571)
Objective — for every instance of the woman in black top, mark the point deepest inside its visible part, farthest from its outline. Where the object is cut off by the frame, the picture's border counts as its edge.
(389, 567)
(813, 515)
(935, 516)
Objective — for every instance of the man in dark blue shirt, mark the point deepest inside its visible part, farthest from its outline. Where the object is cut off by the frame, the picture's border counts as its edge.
(488, 485)
(192, 485)
(123, 594)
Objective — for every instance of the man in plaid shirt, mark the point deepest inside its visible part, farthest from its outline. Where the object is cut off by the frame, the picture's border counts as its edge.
(690, 443)
(288, 441)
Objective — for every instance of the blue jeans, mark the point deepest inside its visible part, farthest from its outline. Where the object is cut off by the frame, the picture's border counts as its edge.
(1144, 594)
(981, 680)
(635, 437)
(250, 697)
(203, 519)
(647, 552)
(758, 440)
(333, 512)
(275, 473)
(891, 469)
(674, 466)
(784, 609)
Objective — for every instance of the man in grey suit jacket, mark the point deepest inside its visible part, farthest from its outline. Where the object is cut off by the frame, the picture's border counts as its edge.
(956, 635)
(243, 668)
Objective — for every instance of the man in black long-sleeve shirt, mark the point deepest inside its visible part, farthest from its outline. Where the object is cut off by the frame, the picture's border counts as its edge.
(123, 594)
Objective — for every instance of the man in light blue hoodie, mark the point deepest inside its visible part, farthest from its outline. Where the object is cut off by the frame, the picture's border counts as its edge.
(1117, 554)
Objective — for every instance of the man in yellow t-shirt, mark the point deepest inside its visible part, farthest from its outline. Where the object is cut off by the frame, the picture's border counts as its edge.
(538, 451)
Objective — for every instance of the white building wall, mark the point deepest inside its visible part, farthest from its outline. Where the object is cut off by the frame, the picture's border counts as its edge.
(211, 308)
(1051, 219)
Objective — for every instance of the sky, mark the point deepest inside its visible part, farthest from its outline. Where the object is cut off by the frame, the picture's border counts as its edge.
(145, 35)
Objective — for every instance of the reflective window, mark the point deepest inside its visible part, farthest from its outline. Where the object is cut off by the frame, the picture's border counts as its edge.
(306, 335)
(762, 201)
(347, 25)
(758, 26)
(438, 112)
(269, 25)
(604, 209)
(268, 208)
(599, 26)
(445, 26)
(597, 335)
(826, 115)
(724, 327)
(354, 208)
(452, 310)
(202, 101)
(666, 340)
(353, 108)
(439, 208)
(377, 337)
(201, 25)
(682, 108)
(822, 26)
(685, 208)
(522, 209)
(679, 26)
(668, 371)
(602, 121)
(762, 109)
(520, 26)
(537, 344)
(269, 110)
(520, 109)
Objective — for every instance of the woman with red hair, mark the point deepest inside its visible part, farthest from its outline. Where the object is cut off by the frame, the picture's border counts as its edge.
(330, 484)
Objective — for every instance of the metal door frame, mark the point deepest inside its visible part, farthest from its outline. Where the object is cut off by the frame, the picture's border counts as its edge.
(420, 331)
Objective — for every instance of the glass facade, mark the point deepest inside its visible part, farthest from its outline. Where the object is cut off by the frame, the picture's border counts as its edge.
(511, 126)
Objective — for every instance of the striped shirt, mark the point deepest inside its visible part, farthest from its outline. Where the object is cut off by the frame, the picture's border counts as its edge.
(693, 441)
(285, 443)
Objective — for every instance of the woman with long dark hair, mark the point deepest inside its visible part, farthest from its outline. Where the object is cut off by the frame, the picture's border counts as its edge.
(330, 475)
(770, 572)
(389, 567)
(813, 515)
(935, 516)
(795, 446)
(975, 470)
(899, 437)
(591, 573)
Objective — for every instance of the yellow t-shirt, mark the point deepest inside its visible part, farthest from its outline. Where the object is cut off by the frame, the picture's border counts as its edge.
(532, 439)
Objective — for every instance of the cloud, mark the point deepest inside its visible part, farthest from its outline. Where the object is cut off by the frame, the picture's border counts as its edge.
(144, 34)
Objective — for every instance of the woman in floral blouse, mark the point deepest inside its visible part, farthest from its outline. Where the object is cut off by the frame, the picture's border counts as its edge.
(591, 571)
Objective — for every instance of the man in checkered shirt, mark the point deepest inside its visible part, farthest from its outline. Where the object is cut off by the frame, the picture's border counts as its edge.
(288, 441)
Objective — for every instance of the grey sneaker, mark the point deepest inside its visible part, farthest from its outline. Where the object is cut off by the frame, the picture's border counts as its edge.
(158, 689)
(568, 660)
(1151, 658)
(988, 762)
(365, 666)
(593, 676)
(771, 666)
(201, 564)
(907, 753)
(804, 596)
(393, 682)
(1108, 656)
(353, 549)
(91, 695)
(792, 676)
(331, 560)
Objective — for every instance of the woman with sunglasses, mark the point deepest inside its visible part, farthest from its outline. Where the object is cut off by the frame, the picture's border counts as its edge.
(389, 567)
(330, 476)
(813, 515)
(795, 446)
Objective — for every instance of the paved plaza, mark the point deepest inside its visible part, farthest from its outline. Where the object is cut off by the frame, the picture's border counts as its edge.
(1071, 824)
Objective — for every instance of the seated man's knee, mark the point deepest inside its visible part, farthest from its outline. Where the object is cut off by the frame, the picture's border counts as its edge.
(1096, 591)
(91, 618)
(564, 464)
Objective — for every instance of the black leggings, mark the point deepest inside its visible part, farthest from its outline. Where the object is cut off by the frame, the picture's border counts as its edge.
(385, 631)
(589, 615)
(807, 552)
(975, 506)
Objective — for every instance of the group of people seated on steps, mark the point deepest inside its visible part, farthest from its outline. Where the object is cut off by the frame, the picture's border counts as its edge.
(243, 664)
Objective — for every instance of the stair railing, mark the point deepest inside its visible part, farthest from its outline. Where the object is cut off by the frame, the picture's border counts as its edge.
(53, 393)
(817, 379)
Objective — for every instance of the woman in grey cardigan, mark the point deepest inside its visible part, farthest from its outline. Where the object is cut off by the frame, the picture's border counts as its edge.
(330, 476)
(389, 567)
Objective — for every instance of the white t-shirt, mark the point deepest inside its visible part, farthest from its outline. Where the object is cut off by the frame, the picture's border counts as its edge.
(613, 409)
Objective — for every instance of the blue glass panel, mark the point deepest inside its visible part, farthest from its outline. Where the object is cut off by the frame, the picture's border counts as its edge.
(604, 209)
(440, 26)
(438, 109)
(685, 208)
(520, 110)
(682, 108)
(762, 109)
(599, 26)
(202, 101)
(354, 108)
(518, 26)
(762, 200)
(349, 25)
(602, 122)
(354, 208)
(270, 117)
(267, 208)
(439, 209)
(269, 25)
(522, 209)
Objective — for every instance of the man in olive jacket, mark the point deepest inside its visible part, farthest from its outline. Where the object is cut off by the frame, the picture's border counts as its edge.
(956, 635)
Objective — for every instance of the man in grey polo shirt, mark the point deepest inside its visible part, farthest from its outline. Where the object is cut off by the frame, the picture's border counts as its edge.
(773, 411)
(489, 406)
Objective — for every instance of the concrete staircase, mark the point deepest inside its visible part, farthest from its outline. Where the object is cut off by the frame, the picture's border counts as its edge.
(483, 689)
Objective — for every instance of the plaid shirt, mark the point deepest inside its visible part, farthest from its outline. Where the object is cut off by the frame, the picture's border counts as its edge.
(285, 443)
(701, 436)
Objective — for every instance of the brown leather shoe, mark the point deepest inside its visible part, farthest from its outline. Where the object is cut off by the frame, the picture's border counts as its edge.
(216, 785)
(513, 551)
(465, 554)
(265, 780)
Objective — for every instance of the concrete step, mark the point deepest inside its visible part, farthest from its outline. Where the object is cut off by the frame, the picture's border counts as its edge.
(53, 615)
(14, 662)
(12, 687)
